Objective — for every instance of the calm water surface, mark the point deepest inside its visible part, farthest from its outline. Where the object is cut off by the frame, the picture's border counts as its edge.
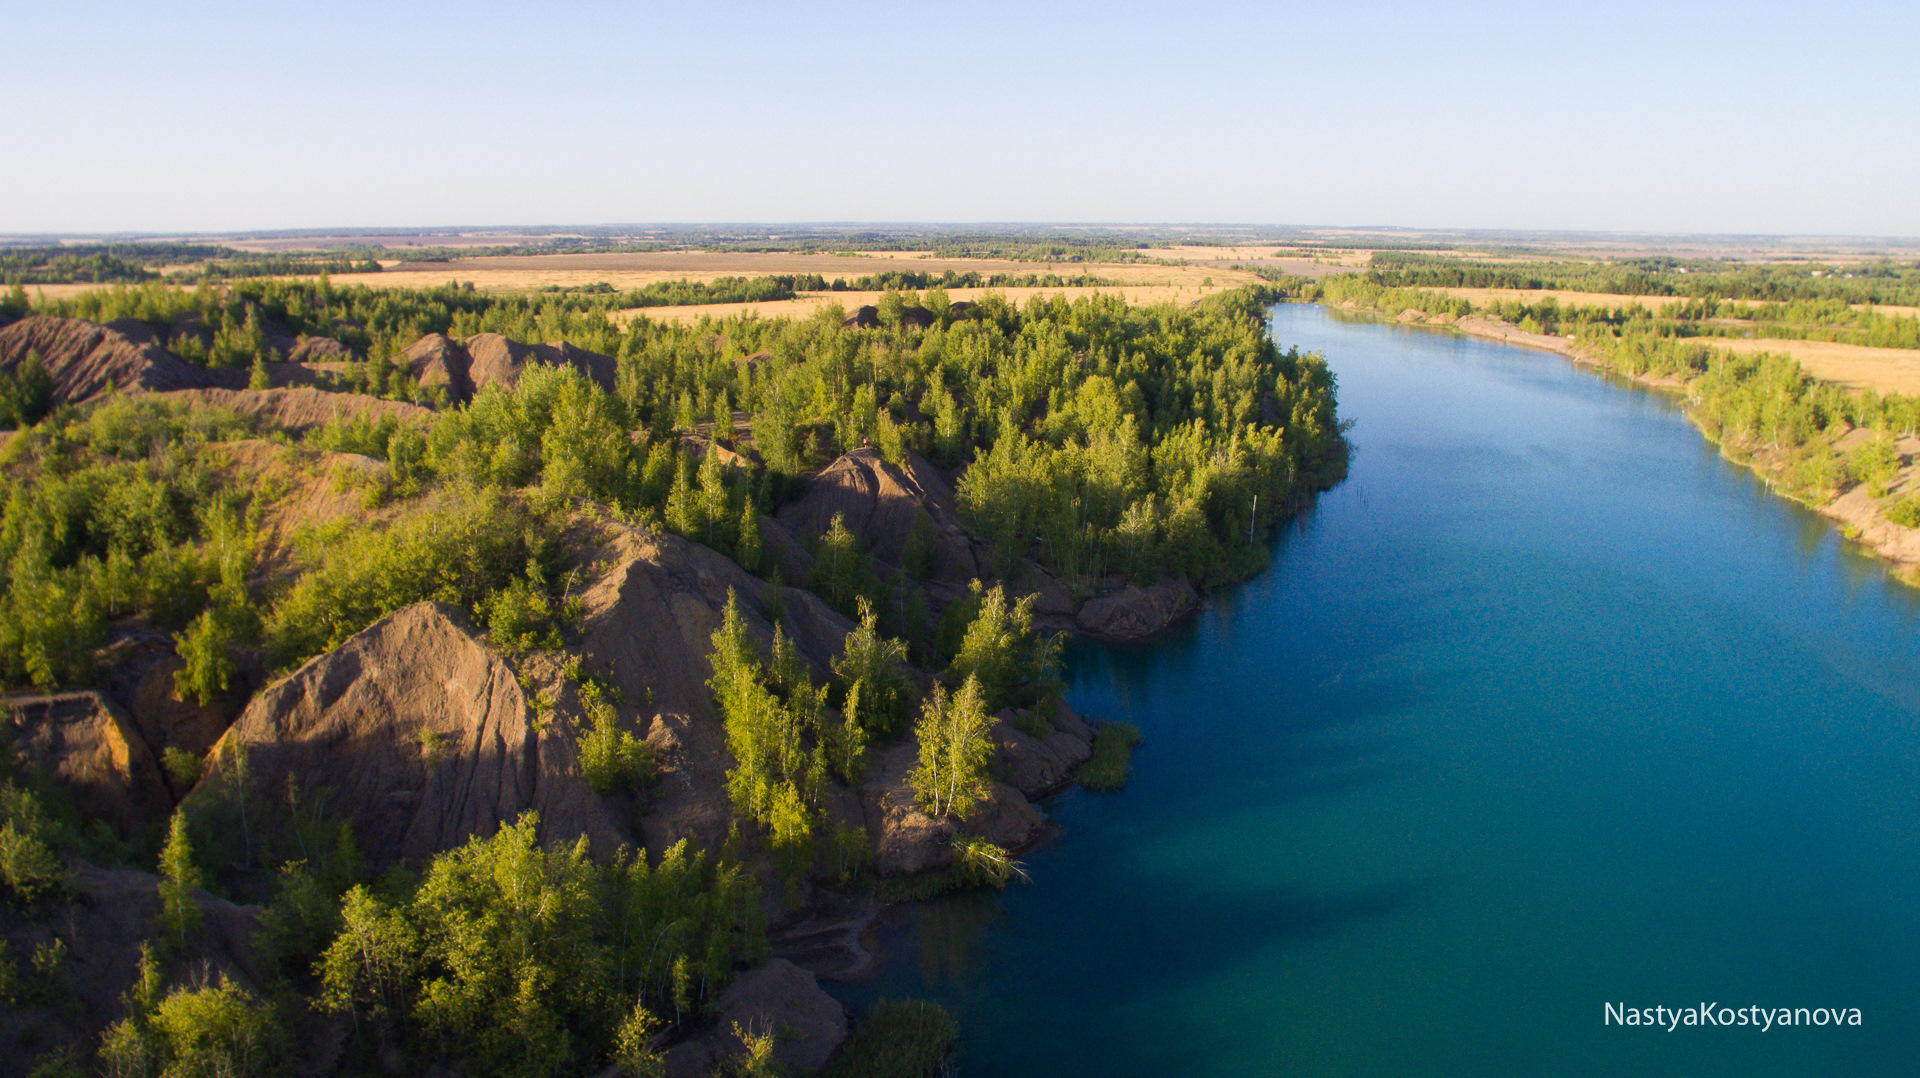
(1546, 706)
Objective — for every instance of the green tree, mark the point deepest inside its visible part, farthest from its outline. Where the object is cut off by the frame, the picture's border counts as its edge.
(179, 879)
(220, 1031)
(839, 567)
(874, 666)
(1014, 664)
(368, 970)
(747, 550)
(955, 748)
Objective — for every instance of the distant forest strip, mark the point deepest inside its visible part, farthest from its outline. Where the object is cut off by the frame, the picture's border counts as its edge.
(1824, 318)
(134, 263)
(1880, 282)
(382, 322)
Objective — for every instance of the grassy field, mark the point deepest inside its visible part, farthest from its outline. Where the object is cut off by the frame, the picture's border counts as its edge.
(1480, 297)
(1886, 370)
(810, 302)
(528, 273)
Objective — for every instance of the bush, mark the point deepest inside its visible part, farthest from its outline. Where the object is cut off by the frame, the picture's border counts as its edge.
(460, 548)
(610, 758)
(1106, 770)
(1905, 512)
(29, 867)
(896, 1039)
(220, 1031)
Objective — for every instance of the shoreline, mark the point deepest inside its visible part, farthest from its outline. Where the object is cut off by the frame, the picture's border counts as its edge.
(1858, 517)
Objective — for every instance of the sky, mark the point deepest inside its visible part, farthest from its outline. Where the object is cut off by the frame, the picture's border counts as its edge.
(1646, 117)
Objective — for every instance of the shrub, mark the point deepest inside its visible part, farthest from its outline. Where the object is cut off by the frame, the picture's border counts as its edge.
(896, 1039)
(29, 867)
(1106, 770)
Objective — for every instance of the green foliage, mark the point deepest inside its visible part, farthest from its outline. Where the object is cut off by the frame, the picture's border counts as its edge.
(1015, 665)
(896, 1039)
(1106, 770)
(610, 758)
(841, 573)
(1875, 464)
(755, 1058)
(26, 393)
(203, 648)
(522, 959)
(30, 867)
(955, 748)
(111, 513)
(299, 924)
(179, 879)
(1905, 512)
(875, 666)
(461, 547)
(778, 746)
(979, 863)
(218, 1031)
(182, 767)
(633, 1050)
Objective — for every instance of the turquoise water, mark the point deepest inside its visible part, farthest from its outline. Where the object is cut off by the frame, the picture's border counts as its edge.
(1546, 707)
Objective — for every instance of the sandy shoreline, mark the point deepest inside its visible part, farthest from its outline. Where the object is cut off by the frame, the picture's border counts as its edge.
(1860, 517)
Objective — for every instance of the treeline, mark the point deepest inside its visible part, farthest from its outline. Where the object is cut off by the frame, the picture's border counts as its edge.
(133, 263)
(278, 266)
(1878, 282)
(1055, 251)
(1707, 316)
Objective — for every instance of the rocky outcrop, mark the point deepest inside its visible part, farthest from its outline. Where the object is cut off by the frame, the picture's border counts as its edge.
(302, 408)
(883, 503)
(319, 350)
(96, 752)
(438, 360)
(1135, 612)
(778, 998)
(86, 359)
(424, 737)
(144, 663)
(467, 366)
(865, 317)
(906, 840)
(1040, 766)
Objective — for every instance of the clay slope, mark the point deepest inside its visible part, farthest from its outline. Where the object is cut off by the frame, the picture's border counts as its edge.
(86, 359)
(90, 747)
(301, 409)
(467, 366)
(651, 613)
(425, 738)
(881, 501)
(111, 912)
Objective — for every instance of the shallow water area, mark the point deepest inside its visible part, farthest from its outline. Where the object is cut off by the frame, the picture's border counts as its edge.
(1546, 707)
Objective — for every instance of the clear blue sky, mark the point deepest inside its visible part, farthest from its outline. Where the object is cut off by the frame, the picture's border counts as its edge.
(1678, 116)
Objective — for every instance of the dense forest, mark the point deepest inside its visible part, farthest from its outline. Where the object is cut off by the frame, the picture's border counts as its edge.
(1097, 441)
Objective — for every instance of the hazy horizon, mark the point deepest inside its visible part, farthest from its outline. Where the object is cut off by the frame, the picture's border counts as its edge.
(1675, 119)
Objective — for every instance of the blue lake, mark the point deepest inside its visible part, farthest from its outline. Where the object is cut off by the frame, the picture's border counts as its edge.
(1546, 707)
